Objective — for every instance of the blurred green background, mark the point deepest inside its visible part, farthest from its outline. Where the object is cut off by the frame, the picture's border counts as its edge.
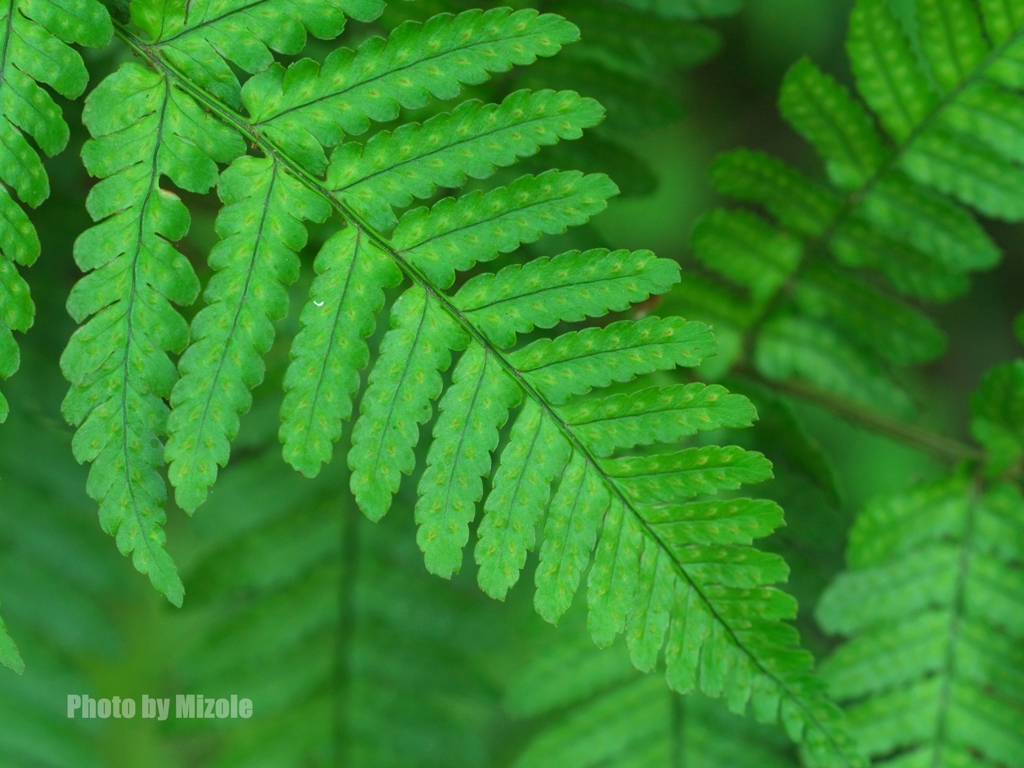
(352, 654)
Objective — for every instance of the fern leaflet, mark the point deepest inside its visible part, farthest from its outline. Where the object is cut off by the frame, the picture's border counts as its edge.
(117, 362)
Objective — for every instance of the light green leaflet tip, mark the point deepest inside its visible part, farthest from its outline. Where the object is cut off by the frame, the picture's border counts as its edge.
(402, 385)
(998, 416)
(472, 411)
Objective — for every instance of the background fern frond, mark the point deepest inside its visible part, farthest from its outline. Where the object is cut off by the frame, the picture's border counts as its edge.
(899, 202)
(388, 669)
(593, 709)
(930, 671)
(34, 41)
(57, 583)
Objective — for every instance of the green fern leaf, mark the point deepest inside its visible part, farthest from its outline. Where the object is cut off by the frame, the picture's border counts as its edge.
(308, 107)
(536, 454)
(577, 362)
(891, 329)
(929, 601)
(34, 47)
(456, 234)
(261, 226)
(745, 249)
(655, 415)
(117, 362)
(838, 127)
(472, 410)
(887, 71)
(570, 534)
(330, 350)
(794, 348)
(390, 170)
(403, 382)
(567, 288)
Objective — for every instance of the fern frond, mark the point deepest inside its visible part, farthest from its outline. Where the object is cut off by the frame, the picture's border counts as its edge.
(117, 361)
(34, 40)
(372, 662)
(931, 602)
(309, 107)
(57, 577)
(710, 609)
(261, 227)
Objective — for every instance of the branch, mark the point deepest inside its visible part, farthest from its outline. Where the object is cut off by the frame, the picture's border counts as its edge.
(940, 446)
